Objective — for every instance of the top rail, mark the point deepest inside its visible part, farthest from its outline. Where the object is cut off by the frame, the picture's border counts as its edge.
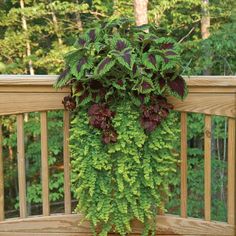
(212, 95)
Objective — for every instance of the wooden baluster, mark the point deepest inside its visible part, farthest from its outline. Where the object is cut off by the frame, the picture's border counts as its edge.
(184, 164)
(1, 178)
(231, 170)
(66, 158)
(44, 165)
(207, 167)
(21, 165)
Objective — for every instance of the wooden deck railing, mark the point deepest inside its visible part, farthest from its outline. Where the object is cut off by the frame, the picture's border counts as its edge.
(207, 95)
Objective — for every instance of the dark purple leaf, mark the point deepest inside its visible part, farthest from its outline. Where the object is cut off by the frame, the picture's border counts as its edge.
(81, 63)
(152, 59)
(161, 82)
(127, 56)
(103, 63)
(95, 84)
(167, 46)
(69, 103)
(79, 87)
(120, 45)
(81, 42)
(92, 35)
(177, 85)
(145, 85)
(63, 74)
(135, 68)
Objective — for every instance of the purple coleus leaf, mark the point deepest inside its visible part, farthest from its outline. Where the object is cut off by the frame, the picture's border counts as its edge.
(81, 62)
(145, 85)
(92, 35)
(69, 103)
(63, 74)
(103, 63)
(167, 46)
(177, 86)
(81, 42)
(95, 85)
(127, 56)
(120, 45)
(152, 59)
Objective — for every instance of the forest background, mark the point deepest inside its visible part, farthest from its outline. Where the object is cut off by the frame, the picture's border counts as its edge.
(34, 36)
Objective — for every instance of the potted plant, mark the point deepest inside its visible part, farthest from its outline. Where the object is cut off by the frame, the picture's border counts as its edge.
(122, 131)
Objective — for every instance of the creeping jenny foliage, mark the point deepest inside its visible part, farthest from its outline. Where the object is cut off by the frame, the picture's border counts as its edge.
(122, 140)
(128, 180)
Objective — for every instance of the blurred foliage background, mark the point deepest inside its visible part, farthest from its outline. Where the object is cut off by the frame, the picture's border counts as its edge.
(34, 36)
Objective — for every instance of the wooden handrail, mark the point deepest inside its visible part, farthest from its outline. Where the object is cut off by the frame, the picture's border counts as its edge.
(214, 95)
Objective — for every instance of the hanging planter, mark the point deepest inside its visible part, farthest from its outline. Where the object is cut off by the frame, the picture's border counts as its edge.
(123, 128)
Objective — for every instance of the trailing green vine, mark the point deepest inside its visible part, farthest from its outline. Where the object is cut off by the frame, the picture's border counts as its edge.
(122, 133)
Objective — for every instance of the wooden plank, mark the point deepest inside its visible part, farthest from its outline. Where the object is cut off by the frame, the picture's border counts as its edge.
(21, 165)
(212, 103)
(231, 170)
(44, 163)
(30, 102)
(207, 167)
(193, 81)
(32, 89)
(167, 224)
(217, 104)
(1, 176)
(66, 159)
(183, 169)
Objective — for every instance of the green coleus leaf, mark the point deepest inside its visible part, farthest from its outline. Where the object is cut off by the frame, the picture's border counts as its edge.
(152, 61)
(63, 78)
(79, 68)
(126, 58)
(104, 66)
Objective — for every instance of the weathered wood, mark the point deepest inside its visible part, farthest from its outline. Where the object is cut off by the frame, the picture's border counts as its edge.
(183, 169)
(231, 171)
(167, 224)
(207, 103)
(21, 165)
(30, 102)
(44, 161)
(207, 167)
(24, 93)
(66, 159)
(1, 176)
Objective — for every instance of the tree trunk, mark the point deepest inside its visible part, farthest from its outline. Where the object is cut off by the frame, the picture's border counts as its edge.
(205, 25)
(140, 12)
(56, 27)
(28, 47)
(205, 21)
(78, 19)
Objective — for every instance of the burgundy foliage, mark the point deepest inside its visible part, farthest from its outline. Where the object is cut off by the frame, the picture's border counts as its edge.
(69, 103)
(177, 85)
(100, 118)
(153, 114)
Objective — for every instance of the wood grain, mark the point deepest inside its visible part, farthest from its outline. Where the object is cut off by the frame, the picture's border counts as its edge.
(66, 159)
(23, 93)
(183, 169)
(231, 171)
(15, 103)
(207, 103)
(1, 176)
(167, 224)
(21, 165)
(207, 167)
(44, 161)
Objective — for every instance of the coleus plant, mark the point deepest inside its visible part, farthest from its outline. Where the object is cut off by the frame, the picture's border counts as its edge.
(120, 77)
(118, 59)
